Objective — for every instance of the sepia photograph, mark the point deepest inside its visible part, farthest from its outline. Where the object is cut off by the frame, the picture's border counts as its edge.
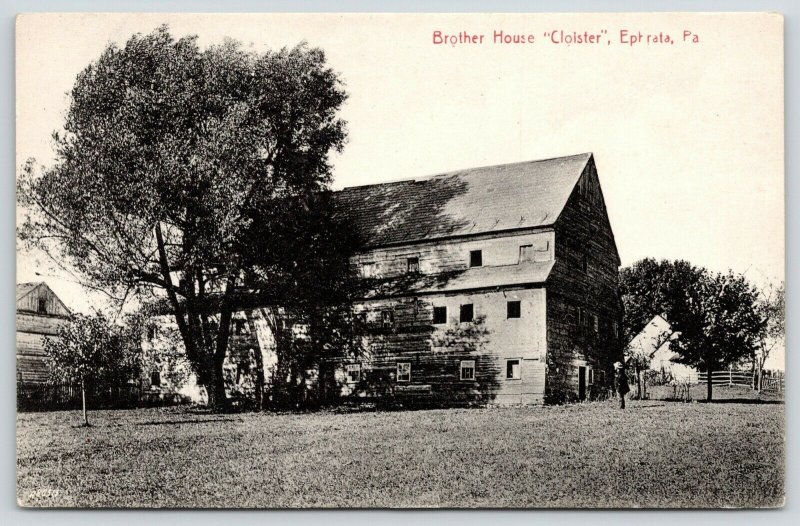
(400, 260)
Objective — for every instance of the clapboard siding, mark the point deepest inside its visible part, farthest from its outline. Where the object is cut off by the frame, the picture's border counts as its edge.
(585, 277)
(40, 314)
(435, 352)
(38, 324)
(453, 255)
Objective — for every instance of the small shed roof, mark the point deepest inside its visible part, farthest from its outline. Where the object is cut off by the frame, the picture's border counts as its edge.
(473, 201)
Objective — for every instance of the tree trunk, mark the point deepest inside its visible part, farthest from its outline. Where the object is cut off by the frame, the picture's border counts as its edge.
(709, 371)
(259, 379)
(760, 375)
(215, 387)
(259, 358)
(638, 384)
(83, 401)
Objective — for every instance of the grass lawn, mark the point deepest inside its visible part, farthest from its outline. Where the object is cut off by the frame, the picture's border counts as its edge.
(654, 454)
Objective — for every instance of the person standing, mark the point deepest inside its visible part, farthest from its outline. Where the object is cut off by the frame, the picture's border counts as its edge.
(620, 383)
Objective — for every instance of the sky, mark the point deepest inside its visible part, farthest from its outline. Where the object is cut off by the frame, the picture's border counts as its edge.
(687, 137)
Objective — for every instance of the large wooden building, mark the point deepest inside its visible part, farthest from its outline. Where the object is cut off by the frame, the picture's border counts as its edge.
(40, 313)
(493, 285)
(498, 285)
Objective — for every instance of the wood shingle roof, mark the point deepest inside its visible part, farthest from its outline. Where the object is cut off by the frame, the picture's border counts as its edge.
(465, 202)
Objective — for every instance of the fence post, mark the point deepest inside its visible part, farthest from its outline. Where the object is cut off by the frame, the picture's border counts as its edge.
(730, 376)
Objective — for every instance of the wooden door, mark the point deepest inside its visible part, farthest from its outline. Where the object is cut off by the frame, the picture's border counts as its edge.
(582, 383)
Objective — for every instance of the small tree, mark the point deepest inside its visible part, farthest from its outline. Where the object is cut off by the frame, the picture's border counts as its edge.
(771, 308)
(88, 349)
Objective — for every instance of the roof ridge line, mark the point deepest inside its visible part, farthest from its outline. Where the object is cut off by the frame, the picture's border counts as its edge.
(460, 170)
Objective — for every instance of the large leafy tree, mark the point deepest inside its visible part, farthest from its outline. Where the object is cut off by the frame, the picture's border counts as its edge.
(716, 314)
(178, 172)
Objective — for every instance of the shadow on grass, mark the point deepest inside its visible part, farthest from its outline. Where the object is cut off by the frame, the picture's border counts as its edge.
(741, 401)
(179, 422)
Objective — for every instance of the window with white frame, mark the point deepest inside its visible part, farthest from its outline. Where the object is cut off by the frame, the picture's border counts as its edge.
(513, 371)
(353, 373)
(467, 369)
(404, 371)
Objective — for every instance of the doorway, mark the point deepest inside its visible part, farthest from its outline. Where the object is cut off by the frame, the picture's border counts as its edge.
(581, 383)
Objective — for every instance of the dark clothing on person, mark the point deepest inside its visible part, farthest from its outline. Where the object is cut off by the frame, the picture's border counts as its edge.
(621, 383)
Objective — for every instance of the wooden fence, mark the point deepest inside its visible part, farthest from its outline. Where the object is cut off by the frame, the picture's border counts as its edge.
(775, 384)
(727, 378)
(50, 397)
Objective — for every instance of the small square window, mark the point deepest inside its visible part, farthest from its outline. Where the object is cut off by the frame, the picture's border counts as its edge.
(439, 315)
(466, 313)
(512, 370)
(476, 258)
(353, 373)
(514, 309)
(413, 264)
(387, 319)
(404, 372)
(467, 369)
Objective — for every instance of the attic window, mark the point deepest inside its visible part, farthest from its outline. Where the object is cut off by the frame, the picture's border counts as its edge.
(476, 258)
(41, 306)
(413, 264)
